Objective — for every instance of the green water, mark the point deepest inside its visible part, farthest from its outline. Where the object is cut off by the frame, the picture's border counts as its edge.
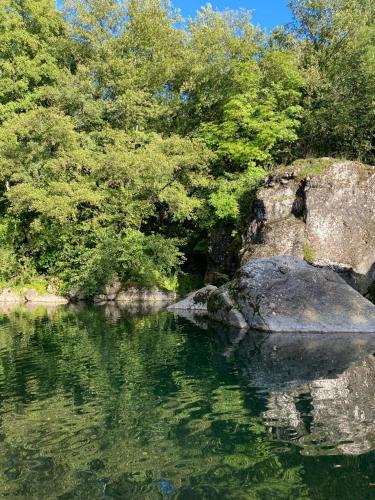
(100, 404)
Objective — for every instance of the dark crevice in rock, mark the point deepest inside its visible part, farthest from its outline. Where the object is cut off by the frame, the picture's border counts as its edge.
(299, 208)
(255, 230)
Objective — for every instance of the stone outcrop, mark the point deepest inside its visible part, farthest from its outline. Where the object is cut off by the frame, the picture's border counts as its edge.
(321, 210)
(223, 308)
(76, 295)
(115, 292)
(44, 298)
(140, 294)
(210, 302)
(10, 296)
(285, 294)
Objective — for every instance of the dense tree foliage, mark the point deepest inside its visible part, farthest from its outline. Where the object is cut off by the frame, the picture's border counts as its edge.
(336, 43)
(127, 133)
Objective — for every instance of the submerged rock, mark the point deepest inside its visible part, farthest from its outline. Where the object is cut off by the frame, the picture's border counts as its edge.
(322, 210)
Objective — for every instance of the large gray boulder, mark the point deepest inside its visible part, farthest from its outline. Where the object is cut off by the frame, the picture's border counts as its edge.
(320, 210)
(285, 294)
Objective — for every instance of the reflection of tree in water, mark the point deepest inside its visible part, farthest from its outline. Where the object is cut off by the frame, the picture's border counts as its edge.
(128, 409)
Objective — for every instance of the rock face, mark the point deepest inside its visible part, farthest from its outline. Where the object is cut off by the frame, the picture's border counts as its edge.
(287, 294)
(320, 210)
(45, 298)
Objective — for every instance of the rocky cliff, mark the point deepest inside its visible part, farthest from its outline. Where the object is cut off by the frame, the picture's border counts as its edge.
(322, 210)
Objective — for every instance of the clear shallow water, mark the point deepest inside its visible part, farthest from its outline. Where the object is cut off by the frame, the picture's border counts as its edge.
(100, 404)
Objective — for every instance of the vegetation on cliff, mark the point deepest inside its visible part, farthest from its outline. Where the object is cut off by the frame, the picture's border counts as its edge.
(127, 133)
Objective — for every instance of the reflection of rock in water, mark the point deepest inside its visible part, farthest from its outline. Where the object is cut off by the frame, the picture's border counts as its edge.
(198, 318)
(31, 307)
(341, 416)
(321, 390)
(115, 311)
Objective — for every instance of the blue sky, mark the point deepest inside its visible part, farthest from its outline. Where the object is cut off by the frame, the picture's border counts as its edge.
(267, 13)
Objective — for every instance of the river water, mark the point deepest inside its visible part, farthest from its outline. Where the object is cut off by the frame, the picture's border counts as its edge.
(96, 403)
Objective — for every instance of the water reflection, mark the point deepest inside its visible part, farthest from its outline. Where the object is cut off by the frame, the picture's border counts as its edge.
(320, 389)
(111, 309)
(104, 403)
(328, 416)
(132, 407)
